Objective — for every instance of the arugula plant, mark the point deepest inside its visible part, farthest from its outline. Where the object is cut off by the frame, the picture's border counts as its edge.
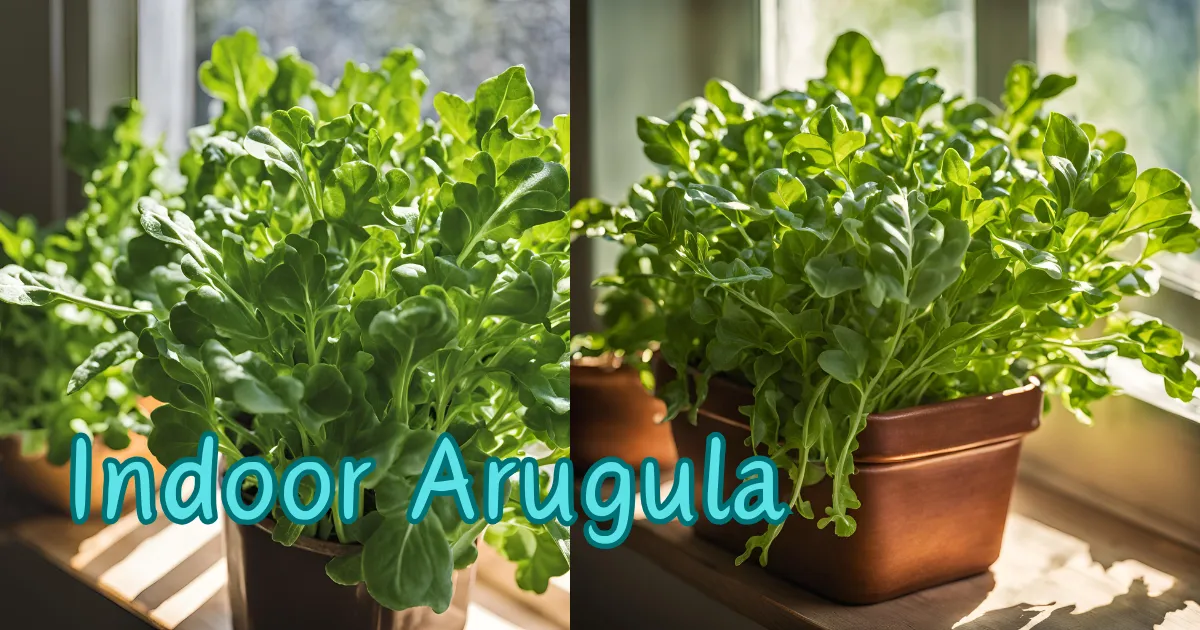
(630, 325)
(41, 349)
(353, 281)
(871, 243)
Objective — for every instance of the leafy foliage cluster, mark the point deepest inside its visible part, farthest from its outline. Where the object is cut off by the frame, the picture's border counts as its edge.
(40, 349)
(351, 280)
(872, 243)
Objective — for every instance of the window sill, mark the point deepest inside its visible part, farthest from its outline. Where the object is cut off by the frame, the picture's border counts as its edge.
(172, 577)
(1138, 461)
(1063, 565)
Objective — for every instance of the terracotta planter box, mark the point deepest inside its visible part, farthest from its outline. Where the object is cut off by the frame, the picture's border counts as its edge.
(273, 586)
(52, 484)
(612, 414)
(934, 482)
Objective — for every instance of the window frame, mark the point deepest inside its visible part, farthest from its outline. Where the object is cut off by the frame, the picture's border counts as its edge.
(74, 55)
(165, 70)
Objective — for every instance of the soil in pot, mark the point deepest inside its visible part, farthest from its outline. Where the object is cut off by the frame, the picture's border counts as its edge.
(934, 481)
(52, 484)
(612, 415)
(273, 586)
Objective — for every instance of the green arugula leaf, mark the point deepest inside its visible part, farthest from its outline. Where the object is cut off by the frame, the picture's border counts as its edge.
(238, 75)
(407, 565)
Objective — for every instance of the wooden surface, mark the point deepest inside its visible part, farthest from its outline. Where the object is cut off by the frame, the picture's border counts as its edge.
(499, 576)
(1063, 566)
(172, 577)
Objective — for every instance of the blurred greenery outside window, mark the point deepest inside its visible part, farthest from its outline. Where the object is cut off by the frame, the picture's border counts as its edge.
(1138, 69)
(910, 35)
(464, 41)
(1138, 63)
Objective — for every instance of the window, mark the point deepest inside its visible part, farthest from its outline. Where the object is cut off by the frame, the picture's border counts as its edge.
(464, 41)
(910, 35)
(1138, 64)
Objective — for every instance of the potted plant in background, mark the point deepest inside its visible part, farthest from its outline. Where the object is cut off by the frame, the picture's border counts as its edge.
(355, 281)
(40, 350)
(871, 278)
(615, 414)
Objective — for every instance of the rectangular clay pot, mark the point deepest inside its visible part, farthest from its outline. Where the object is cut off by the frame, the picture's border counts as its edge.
(934, 482)
(612, 415)
(273, 586)
(52, 484)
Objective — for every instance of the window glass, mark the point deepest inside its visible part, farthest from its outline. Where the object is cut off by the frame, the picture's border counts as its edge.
(909, 34)
(464, 41)
(1136, 62)
(1138, 68)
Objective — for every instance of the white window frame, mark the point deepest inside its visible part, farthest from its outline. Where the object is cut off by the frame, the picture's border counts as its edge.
(73, 55)
(166, 73)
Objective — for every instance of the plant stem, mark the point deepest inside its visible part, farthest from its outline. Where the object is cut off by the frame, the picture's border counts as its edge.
(310, 337)
(337, 523)
(401, 393)
(804, 449)
(921, 364)
(859, 416)
(468, 538)
(244, 433)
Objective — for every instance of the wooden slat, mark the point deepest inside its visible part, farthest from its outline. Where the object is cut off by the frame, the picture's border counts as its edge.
(173, 577)
(150, 570)
(1063, 565)
(180, 606)
(495, 609)
(554, 606)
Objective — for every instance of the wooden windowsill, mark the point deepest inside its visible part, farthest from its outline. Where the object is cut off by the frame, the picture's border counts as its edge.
(172, 577)
(1063, 565)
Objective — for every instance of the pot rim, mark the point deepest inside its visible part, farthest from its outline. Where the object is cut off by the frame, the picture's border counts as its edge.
(912, 433)
(308, 543)
(876, 464)
(607, 362)
(884, 416)
(97, 443)
(603, 371)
